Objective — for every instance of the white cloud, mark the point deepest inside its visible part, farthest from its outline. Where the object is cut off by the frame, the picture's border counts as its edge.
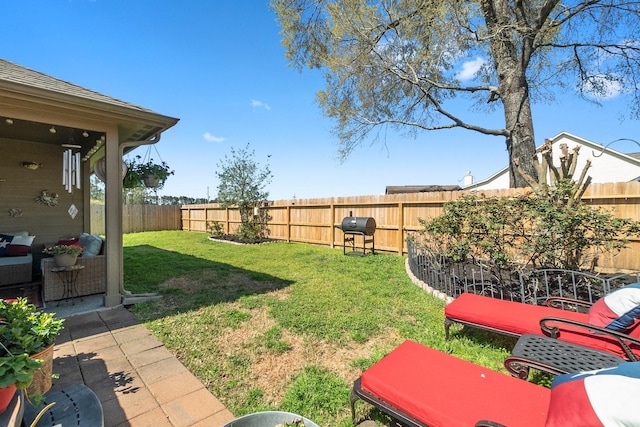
(211, 138)
(470, 68)
(603, 88)
(259, 104)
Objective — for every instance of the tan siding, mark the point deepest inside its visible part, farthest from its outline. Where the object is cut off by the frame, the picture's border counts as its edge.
(19, 188)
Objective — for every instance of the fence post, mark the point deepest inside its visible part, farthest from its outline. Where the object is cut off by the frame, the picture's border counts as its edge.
(333, 223)
(288, 223)
(400, 228)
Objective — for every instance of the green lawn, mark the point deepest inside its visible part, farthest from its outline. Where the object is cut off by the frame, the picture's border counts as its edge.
(286, 326)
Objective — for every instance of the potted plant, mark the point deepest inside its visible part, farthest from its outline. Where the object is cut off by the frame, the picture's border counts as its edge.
(26, 330)
(64, 255)
(153, 174)
(16, 372)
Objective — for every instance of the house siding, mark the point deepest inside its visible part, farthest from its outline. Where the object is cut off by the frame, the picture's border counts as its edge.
(19, 187)
(606, 166)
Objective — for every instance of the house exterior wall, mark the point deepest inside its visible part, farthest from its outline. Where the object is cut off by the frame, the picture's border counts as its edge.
(607, 166)
(19, 187)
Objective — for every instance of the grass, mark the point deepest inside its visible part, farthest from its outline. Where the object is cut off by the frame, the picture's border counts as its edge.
(286, 326)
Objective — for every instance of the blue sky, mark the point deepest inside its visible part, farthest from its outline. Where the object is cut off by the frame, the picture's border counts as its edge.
(219, 67)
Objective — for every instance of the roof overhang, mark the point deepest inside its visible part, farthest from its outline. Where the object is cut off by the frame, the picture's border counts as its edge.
(34, 103)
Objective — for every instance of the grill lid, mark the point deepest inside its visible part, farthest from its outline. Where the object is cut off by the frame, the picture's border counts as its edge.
(359, 224)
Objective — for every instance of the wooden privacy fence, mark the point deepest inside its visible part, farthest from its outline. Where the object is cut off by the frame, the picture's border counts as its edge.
(396, 215)
(137, 218)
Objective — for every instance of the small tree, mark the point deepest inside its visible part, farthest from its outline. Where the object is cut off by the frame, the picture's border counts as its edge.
(243, 184)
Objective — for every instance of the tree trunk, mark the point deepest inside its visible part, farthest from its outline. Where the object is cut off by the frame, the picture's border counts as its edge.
(510, 62)
(520, 142)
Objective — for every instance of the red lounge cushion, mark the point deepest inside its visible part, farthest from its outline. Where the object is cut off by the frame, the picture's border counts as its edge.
(441, 390)
(519, 318)
(515, 317)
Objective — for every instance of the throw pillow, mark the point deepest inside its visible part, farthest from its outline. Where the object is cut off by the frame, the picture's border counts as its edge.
(20, 245)
(74, 241)
(595, 398)
(5, 240)
(619, 311)
(91, 244)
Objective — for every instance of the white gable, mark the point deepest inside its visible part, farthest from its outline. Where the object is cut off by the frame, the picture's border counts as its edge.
(607, 165)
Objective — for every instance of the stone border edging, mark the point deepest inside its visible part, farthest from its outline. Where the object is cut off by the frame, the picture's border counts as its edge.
(436, 293)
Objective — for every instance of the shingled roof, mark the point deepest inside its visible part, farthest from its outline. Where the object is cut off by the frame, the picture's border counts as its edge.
(13, 73)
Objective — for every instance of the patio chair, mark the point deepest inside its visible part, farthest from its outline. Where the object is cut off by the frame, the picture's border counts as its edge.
(517, 319)
(419, 387)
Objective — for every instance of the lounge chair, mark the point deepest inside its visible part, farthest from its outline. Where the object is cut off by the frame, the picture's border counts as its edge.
(419, 387)
(516, 319)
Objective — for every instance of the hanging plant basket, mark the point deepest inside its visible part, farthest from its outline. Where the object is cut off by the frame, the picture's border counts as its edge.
(146, 172)
(151, 181)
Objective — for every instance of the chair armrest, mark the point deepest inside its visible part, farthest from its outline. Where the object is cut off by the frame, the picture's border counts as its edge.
(623, 339)
(562, 302)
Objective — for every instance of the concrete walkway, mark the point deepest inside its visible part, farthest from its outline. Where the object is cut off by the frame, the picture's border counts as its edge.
(139, 382)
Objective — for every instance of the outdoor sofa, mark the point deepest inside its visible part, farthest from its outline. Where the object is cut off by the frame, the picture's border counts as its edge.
(16, 260)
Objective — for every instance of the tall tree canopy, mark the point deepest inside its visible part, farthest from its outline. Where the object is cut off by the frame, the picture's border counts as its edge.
(400, 63)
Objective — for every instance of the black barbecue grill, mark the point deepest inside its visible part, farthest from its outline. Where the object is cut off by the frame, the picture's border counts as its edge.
(353, 226)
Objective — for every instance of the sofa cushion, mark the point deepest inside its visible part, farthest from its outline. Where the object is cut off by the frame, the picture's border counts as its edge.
(91, 244)
(20, 245)
(601, 397)
(16, 260)
(619, 311)
(5, 241)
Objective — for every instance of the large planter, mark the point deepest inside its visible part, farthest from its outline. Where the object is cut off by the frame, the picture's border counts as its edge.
(42, 377)
(6, 395)
(65, 260)
(268, 418)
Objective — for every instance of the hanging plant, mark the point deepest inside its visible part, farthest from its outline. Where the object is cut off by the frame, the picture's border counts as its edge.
(154, 174)
(132, 178)
(146, 172)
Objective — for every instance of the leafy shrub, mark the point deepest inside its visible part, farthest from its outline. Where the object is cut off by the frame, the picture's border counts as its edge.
(543, 228)
(215, 228)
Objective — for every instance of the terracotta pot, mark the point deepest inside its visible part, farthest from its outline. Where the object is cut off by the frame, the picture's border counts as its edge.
(65, 260)
(6, 394)
(42, 377)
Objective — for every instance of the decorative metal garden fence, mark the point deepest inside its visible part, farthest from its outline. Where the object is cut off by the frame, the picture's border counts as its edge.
(517, 284)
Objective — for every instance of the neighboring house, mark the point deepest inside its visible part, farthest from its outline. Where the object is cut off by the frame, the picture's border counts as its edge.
(41, 118)
(607, 165)
(402, 189)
